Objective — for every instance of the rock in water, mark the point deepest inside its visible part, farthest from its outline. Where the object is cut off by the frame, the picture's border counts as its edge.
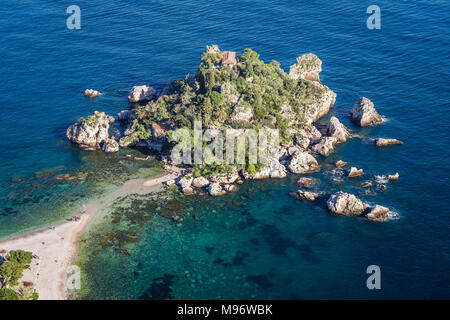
(340, 164)
(110, 145)
(393, 176)
(308, 195)
(306, 182)
(382, 142)
(336, 129)
(325, 146)
(303, 162)
(216, 189)
(89, 133)
(91, 93)
(308, 67)
(141, 93)
(378, 213)
(364, 113)
(346, 203)
(354, 172)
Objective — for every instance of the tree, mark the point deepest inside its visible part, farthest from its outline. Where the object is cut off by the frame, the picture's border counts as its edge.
(8, 294)
(10, 273)
(22, 257)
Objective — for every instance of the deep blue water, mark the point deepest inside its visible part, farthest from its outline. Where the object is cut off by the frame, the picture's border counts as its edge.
(404, 68)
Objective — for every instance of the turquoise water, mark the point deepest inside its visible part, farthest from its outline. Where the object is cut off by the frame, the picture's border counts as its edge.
(269, 246)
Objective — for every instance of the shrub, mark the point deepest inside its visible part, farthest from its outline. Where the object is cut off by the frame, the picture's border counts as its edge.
(8, 294)
(251, 168)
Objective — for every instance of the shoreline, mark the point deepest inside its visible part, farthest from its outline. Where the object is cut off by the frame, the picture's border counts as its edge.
(56, 246)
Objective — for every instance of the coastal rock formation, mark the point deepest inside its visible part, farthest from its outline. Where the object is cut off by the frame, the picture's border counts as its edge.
(141, 93)
(382, 142)
(200, 182)
(110, 145)
(91, 93)
(308, 67)
(340, 164)
(346, 204)
(322, 105)
(393, 176)
(354, 172)
(308, 195)
(306, 182)
(127, 115)
(378, 213)
(89, 133)
(325, 145)
(305, 135)
(215, 189)
(302, 163)
(336, 129)
(364, 113)
(185, 185)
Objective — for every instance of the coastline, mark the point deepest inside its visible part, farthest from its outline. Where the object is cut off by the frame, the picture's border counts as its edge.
(57, 246)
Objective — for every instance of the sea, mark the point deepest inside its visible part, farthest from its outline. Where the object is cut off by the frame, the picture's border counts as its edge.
(259, 242)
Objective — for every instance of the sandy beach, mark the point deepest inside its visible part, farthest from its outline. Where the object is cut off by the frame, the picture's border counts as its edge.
(56, 246)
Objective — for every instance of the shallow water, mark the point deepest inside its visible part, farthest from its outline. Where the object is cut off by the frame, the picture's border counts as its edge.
(279, 247)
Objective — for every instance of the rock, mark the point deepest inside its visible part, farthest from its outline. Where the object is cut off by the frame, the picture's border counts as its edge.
(346, 203)
(141, 93)
(242, 113)
(321, 105)
(308, 195)
(229, 93)
(393, 176)
(382, 142)
(15, 179)
(225, 178)
(127, 115)
(187, 191)
(325, 146)
(306, 182)
(170, 183)
(340, 164)
(185, 182)
(364, 113)
(381, 187)
(91, 93)
(337, 180)
(89, 133)
(366, 184)
(302, 163)
(212, 49)
(215, 189)
(308, 67)
(176, 218)
(229, 187)
(336, 129)
(354, 172)
(378, 213)
(200, 182)
(110, 145)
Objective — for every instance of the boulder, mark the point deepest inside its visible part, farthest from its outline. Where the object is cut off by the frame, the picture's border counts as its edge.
(346, 204)
(325, 146)
(185, 182)
(187, 191)
(91, 132)
(110, 145)
(336, 129)
(229, 187)
(200, 182)
(364, 113)
(354, 172)
(340, 164)
(393, 176)
(302, 163)
(308, 195)
(306, 182)
(91, 93)
(308, 67)
(141, 93)
(382, 142)
(215, 189)
(378, 213)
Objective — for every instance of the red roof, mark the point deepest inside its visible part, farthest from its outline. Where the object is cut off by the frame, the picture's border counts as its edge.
(229, 57)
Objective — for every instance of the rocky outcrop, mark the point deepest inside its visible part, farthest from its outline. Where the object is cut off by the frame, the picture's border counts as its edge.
(141, 93)
(378, 213)
(305, 135)
(110, 145)
(340, 164)
(325, 146)
(336, 129)
(242, 113)
(346, 204)
(303, 162)
(225, 178)
(91, 93)
(306, 182)
(90, 133)
(215, 189)
(354, 172)
(321, 105)
(382, 142)
(308, 67)
(364, 113)
(393, 177)
(200, 182)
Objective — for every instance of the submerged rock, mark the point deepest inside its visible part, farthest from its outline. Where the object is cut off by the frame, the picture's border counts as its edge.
(306, 182)
(302, 163)
(366, 184)
(393, 176)
(141, 93)
(346, 204)
(378, 213)
(364, 113)
(90, 133)
(382, 142)
(354, 172)
(308, 195)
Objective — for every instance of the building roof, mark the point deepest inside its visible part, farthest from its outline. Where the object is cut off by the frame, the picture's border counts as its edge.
(229, 57)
